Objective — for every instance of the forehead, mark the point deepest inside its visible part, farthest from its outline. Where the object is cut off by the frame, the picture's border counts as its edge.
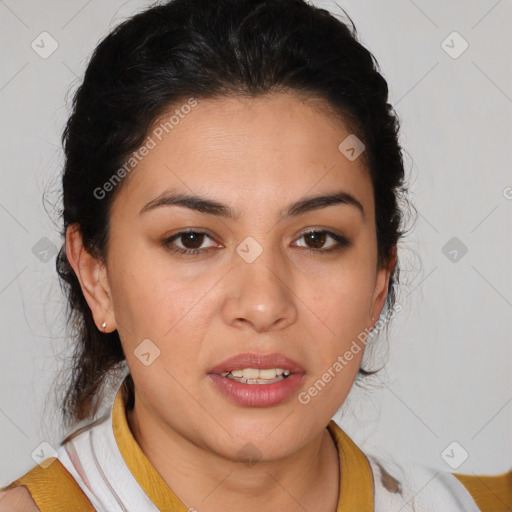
(249, 149)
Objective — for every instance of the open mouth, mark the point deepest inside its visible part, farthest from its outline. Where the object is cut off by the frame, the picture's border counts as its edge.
(257, 376)
(257, 380)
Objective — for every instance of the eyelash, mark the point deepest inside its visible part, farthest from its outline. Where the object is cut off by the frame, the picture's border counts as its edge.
(341, 240)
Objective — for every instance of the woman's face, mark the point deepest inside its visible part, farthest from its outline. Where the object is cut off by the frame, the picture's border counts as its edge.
(253, 281)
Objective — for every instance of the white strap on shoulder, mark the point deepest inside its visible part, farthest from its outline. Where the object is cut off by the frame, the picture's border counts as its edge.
(95, 462)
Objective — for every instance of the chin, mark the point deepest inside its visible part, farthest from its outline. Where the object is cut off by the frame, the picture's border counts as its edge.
(266, 435)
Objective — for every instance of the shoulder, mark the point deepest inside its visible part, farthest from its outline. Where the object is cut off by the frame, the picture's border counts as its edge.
(46, 487)
(17, 499)
(490, 492)
(424, 488)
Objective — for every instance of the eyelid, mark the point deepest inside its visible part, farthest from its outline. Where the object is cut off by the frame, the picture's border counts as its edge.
(199, 231)
(341, 241)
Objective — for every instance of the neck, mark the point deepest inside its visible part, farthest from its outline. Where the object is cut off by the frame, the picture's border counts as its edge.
(307, 480)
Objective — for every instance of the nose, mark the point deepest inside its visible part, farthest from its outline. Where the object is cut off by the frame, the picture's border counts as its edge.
(260, 295)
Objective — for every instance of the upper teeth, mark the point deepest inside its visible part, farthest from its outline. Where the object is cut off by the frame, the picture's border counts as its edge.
(255, 373)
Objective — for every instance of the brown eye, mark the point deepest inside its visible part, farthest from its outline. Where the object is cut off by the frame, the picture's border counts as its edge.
(188, 242)
(316, 240)
(192, 240)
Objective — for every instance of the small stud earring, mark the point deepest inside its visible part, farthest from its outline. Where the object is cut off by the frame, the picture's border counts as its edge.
(104, 325)
(372, 329)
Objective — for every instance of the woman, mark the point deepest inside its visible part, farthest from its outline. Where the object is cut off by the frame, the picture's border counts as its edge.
(231, 216)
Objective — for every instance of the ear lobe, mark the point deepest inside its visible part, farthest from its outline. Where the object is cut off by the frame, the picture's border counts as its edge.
(92, 276)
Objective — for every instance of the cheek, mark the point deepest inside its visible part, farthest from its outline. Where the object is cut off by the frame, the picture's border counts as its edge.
(149, 294)
(170, 313)
(342, 302)
(165, 306)
(336, 351)
(344, 297)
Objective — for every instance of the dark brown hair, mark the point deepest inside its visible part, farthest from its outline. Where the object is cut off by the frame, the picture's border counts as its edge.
(208, 49)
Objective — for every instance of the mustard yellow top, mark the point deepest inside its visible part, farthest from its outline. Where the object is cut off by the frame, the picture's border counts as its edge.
(356, 487)
(55, 490)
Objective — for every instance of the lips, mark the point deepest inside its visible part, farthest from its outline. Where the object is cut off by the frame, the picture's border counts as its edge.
(258, 361)
(257, 394)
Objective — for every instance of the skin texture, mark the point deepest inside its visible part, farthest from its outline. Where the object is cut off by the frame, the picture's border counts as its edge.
(17, 500)
(257, 156)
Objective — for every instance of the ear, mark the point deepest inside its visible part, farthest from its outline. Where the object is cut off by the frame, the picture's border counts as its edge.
(93, 279)
(381, 287)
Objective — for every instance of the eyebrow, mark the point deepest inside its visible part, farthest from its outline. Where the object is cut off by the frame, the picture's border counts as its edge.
(212, 207)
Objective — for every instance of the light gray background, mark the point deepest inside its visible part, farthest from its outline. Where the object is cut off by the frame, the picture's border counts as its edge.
(448, 375)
